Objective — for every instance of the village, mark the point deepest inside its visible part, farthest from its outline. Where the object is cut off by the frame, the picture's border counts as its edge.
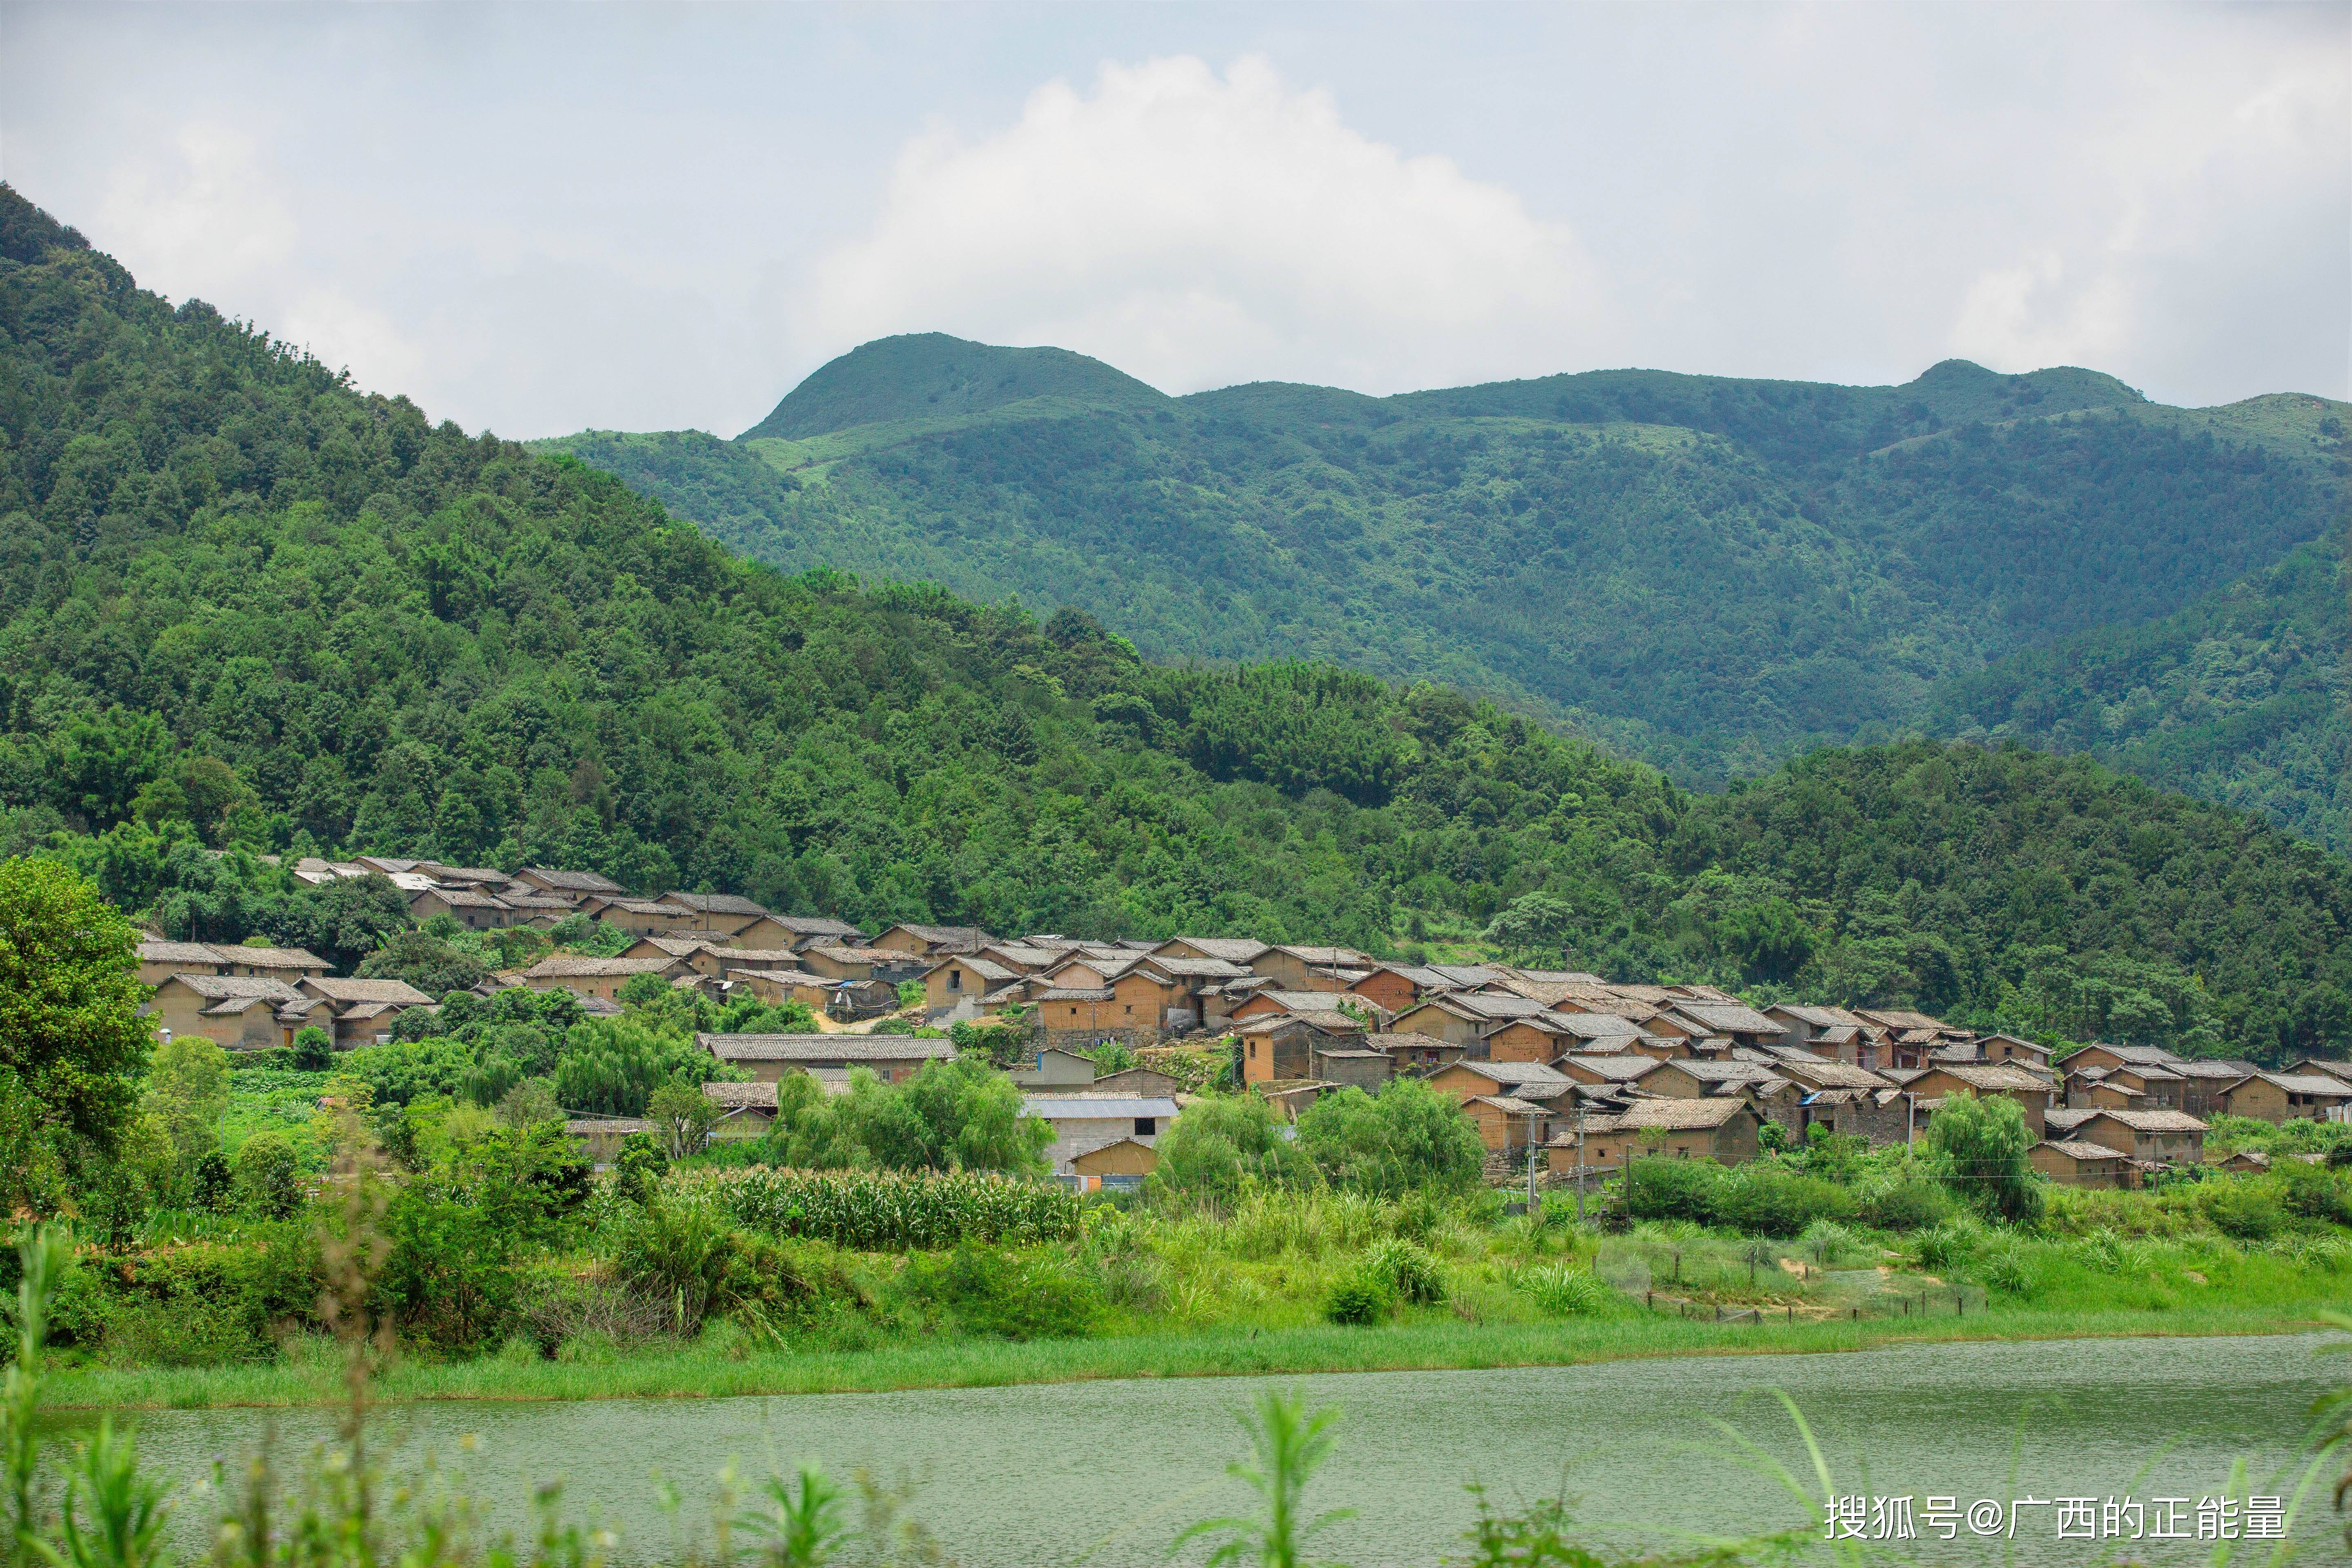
(1566, 1075)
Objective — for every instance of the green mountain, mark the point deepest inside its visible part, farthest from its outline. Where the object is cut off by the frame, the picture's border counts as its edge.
(246, 610)
(2244, 697)
(1712, 573)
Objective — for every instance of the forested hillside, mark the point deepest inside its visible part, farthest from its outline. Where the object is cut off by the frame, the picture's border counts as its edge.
(1710, 573)
(2243, 696)
(245, 609)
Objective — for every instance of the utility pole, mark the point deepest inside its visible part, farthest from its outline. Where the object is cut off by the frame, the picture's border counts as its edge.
(1531, 1163)
(1910, 1117)
(1579, 1158)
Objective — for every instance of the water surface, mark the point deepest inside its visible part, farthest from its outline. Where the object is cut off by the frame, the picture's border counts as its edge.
(1106, 1472)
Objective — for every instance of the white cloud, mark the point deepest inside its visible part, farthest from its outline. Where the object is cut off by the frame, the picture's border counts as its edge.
(205, 219)
(1197, 230)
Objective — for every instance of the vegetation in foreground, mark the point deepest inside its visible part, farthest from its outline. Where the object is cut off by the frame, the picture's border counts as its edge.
(341, 1507)
(244, 609)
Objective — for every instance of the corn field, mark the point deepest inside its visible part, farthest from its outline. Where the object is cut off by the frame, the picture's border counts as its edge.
(878, 1211)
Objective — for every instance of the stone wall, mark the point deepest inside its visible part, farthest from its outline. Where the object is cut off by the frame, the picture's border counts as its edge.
(1086, 1039)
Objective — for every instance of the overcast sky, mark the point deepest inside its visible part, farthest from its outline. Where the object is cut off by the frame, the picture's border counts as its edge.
(539, 220)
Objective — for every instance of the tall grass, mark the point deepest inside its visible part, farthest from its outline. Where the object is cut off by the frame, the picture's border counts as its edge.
(886, 1210)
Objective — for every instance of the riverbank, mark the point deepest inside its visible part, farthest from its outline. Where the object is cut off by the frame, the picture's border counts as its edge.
(708, 1370)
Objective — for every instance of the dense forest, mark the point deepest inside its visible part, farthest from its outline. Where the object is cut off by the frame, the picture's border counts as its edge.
(245, 609)
(2243, 696)
(1713, 575)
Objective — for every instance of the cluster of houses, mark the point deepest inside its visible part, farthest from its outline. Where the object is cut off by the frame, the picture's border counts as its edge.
(1556, 1068)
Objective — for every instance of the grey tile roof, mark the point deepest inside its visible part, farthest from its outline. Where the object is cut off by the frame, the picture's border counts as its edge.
(824, 1048)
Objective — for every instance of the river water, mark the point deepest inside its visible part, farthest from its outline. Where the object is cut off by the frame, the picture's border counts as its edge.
(1106, 1473)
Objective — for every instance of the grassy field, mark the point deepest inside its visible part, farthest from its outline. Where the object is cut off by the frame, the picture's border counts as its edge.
(719, 1365)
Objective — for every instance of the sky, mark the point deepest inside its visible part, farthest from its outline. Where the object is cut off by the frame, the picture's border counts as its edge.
(539, 220)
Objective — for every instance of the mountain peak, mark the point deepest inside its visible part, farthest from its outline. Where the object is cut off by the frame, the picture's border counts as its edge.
(931, 376)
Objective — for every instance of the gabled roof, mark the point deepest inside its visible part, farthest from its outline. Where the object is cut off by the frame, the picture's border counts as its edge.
(954, 939)
(1991, 1077)
(736, 1095)
(1332, 957)
(684, 946)
(2151, 1120)
(464, 897)
(817, 925)
(1021, 955)
(1510, 1105)
(1728, 1017)
(1616, 1069)
(1484, 1006)
(2311, 1083)
(228, 1006)
(2081, 1149)
(578, 966)
(823, 1047)
(866, 955)
(273, 957)
(1719, 1072)
(572, 881)
(1096, 1107)
(647, 907)
(1075, 993)
(1232, 949)
(1664, 1116)
(1199, 968)
(176, 952)
(2320, 1063)
(1515, 1073)
(1321, 1023)
(716, 904)
(987, 969)
(398, 992)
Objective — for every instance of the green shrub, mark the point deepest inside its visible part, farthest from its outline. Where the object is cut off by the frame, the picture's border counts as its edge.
(1659, 1189)
(1765, 1200)
(1412, 1274)
(2006, 1269)
(639, 1165)
(268, 1176)
(1908, 1203)
(2241, 1210)
(2313, 1192)
(1944, 1246)
(314, 1049)
(1006, 1295)
(1561, 1290)
(1359, 1296)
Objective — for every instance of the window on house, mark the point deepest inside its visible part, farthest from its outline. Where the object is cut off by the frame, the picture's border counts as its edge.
(955, 979)
(1074, 1012)
(1146, 1126)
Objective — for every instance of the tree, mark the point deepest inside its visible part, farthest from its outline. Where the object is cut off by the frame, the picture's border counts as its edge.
(268, 1176)
(642, 989)
(70, 1028)
(1220, 1146)
(314, 1048)
(1535, 921)
(342, 921)
(950, 1116)
(187, 1093)
(427, 963)
(99, 762)
(1986, 1142)
(681, 1115)
(1770, 939)
(1407, 1137)
(530, 1102)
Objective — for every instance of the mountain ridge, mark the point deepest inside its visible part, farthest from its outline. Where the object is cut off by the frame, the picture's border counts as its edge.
(1711, 572)
(245, 609)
